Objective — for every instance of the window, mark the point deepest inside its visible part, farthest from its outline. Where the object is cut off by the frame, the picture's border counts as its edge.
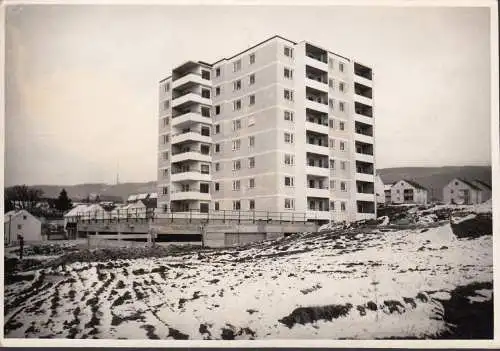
(217, 128)
(205, 75)
(332, 164)
(165, 139)
(332, 205)
(288, 73)
(217, 91)
(330, 83)
(217, 186)
(342, 146)
(251, 121)
(252, 59)
(236, 165)
(205, 169)
(252, 79)
(167, 87)
(289, 204)
(288, 181)
(217, 72)
(216, 206)
(251, 183)
(341, 106)
(342, 206)
(288, 138)
(217, 167)
(236, 105)
(236, 144)
(205, 131)
(331, 123)
(165, 190)
(288, 115)
(331, 143)
(251, 141)
(289, 159)
(288, 95)
(217, 109)
(251, 162)
(342, 125)
(165, 155)
(237, 124)
(166, 104)
(252, 100)
(237, 85)
(204, 188)
(288, 51)
(332, 184)
(341, 86)
(236, 185)
(330, 63)
(251, 204)
(165, 172)
(236, 205)
(217, 147)
(205, 111)
(343, 186)
(236, 66)
(205, 93)
(341, 67)
(342, 165)
(204, 207)
(330, 103)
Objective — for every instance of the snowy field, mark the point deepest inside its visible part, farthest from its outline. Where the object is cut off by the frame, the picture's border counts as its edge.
(356, 284)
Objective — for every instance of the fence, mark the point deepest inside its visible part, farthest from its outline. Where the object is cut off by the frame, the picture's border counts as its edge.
(222, 216)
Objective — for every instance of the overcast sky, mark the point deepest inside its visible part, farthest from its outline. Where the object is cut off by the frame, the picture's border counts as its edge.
(81, 81)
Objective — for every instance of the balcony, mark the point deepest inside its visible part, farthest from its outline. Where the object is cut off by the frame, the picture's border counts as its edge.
(365, 177)
(189, 98)
(363, 109)
(321, 215)
(366, 208)
(189, 195)
(189, 175)
(190, 79)
(363, 90)
(189, 136)
(364, 138)
(189, 118)
(318, 149)
(363, 71)
(317, 127)
(364, 216)
(316, 57)
(318, 171)
(194, 155)
(318, 192)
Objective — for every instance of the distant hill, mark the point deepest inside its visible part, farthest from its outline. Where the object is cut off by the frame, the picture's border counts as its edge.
(435, 178)
(81, 191)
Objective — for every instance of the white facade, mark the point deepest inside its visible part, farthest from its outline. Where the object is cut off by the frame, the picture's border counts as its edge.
(408, 192)
(462, 192)
(24, 223)
(281, 127)
(379, 190)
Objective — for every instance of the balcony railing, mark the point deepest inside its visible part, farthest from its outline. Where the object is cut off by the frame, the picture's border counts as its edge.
(321, 58)
(318, 79)
(317, 99)
(177, 171)
(176, 191)
(198, 151)
(192, 131)
(316, 121)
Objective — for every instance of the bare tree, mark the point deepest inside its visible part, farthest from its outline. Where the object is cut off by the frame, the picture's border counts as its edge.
(23, 197)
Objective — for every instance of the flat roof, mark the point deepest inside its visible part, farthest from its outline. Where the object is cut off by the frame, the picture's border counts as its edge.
(256, 45)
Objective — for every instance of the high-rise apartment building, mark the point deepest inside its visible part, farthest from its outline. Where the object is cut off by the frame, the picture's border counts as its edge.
(282, 126)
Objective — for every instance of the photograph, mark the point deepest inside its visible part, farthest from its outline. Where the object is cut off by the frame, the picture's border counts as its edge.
(313, 172)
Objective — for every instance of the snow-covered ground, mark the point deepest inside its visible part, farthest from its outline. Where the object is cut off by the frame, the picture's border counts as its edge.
(358, 283)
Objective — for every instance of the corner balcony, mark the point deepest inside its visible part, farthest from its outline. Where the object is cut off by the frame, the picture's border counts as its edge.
(316, 127)
(364, 138)
(190, 136)
(190, 118)
(189, 195)
(317, 106)
(365, 177)
(364, 157)
(193, 175)
(317, 149)
(318, 192)
(322, 215)
(189, 80)
(316, 63)
(191, 155)
(363, 100)
(190, 98)
(318, 171)
(365, 197)
(317, 84)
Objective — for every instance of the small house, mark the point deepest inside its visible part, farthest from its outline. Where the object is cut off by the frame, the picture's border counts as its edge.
(463, 192)
(408, 192)
(485, 188)
(24, 223)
